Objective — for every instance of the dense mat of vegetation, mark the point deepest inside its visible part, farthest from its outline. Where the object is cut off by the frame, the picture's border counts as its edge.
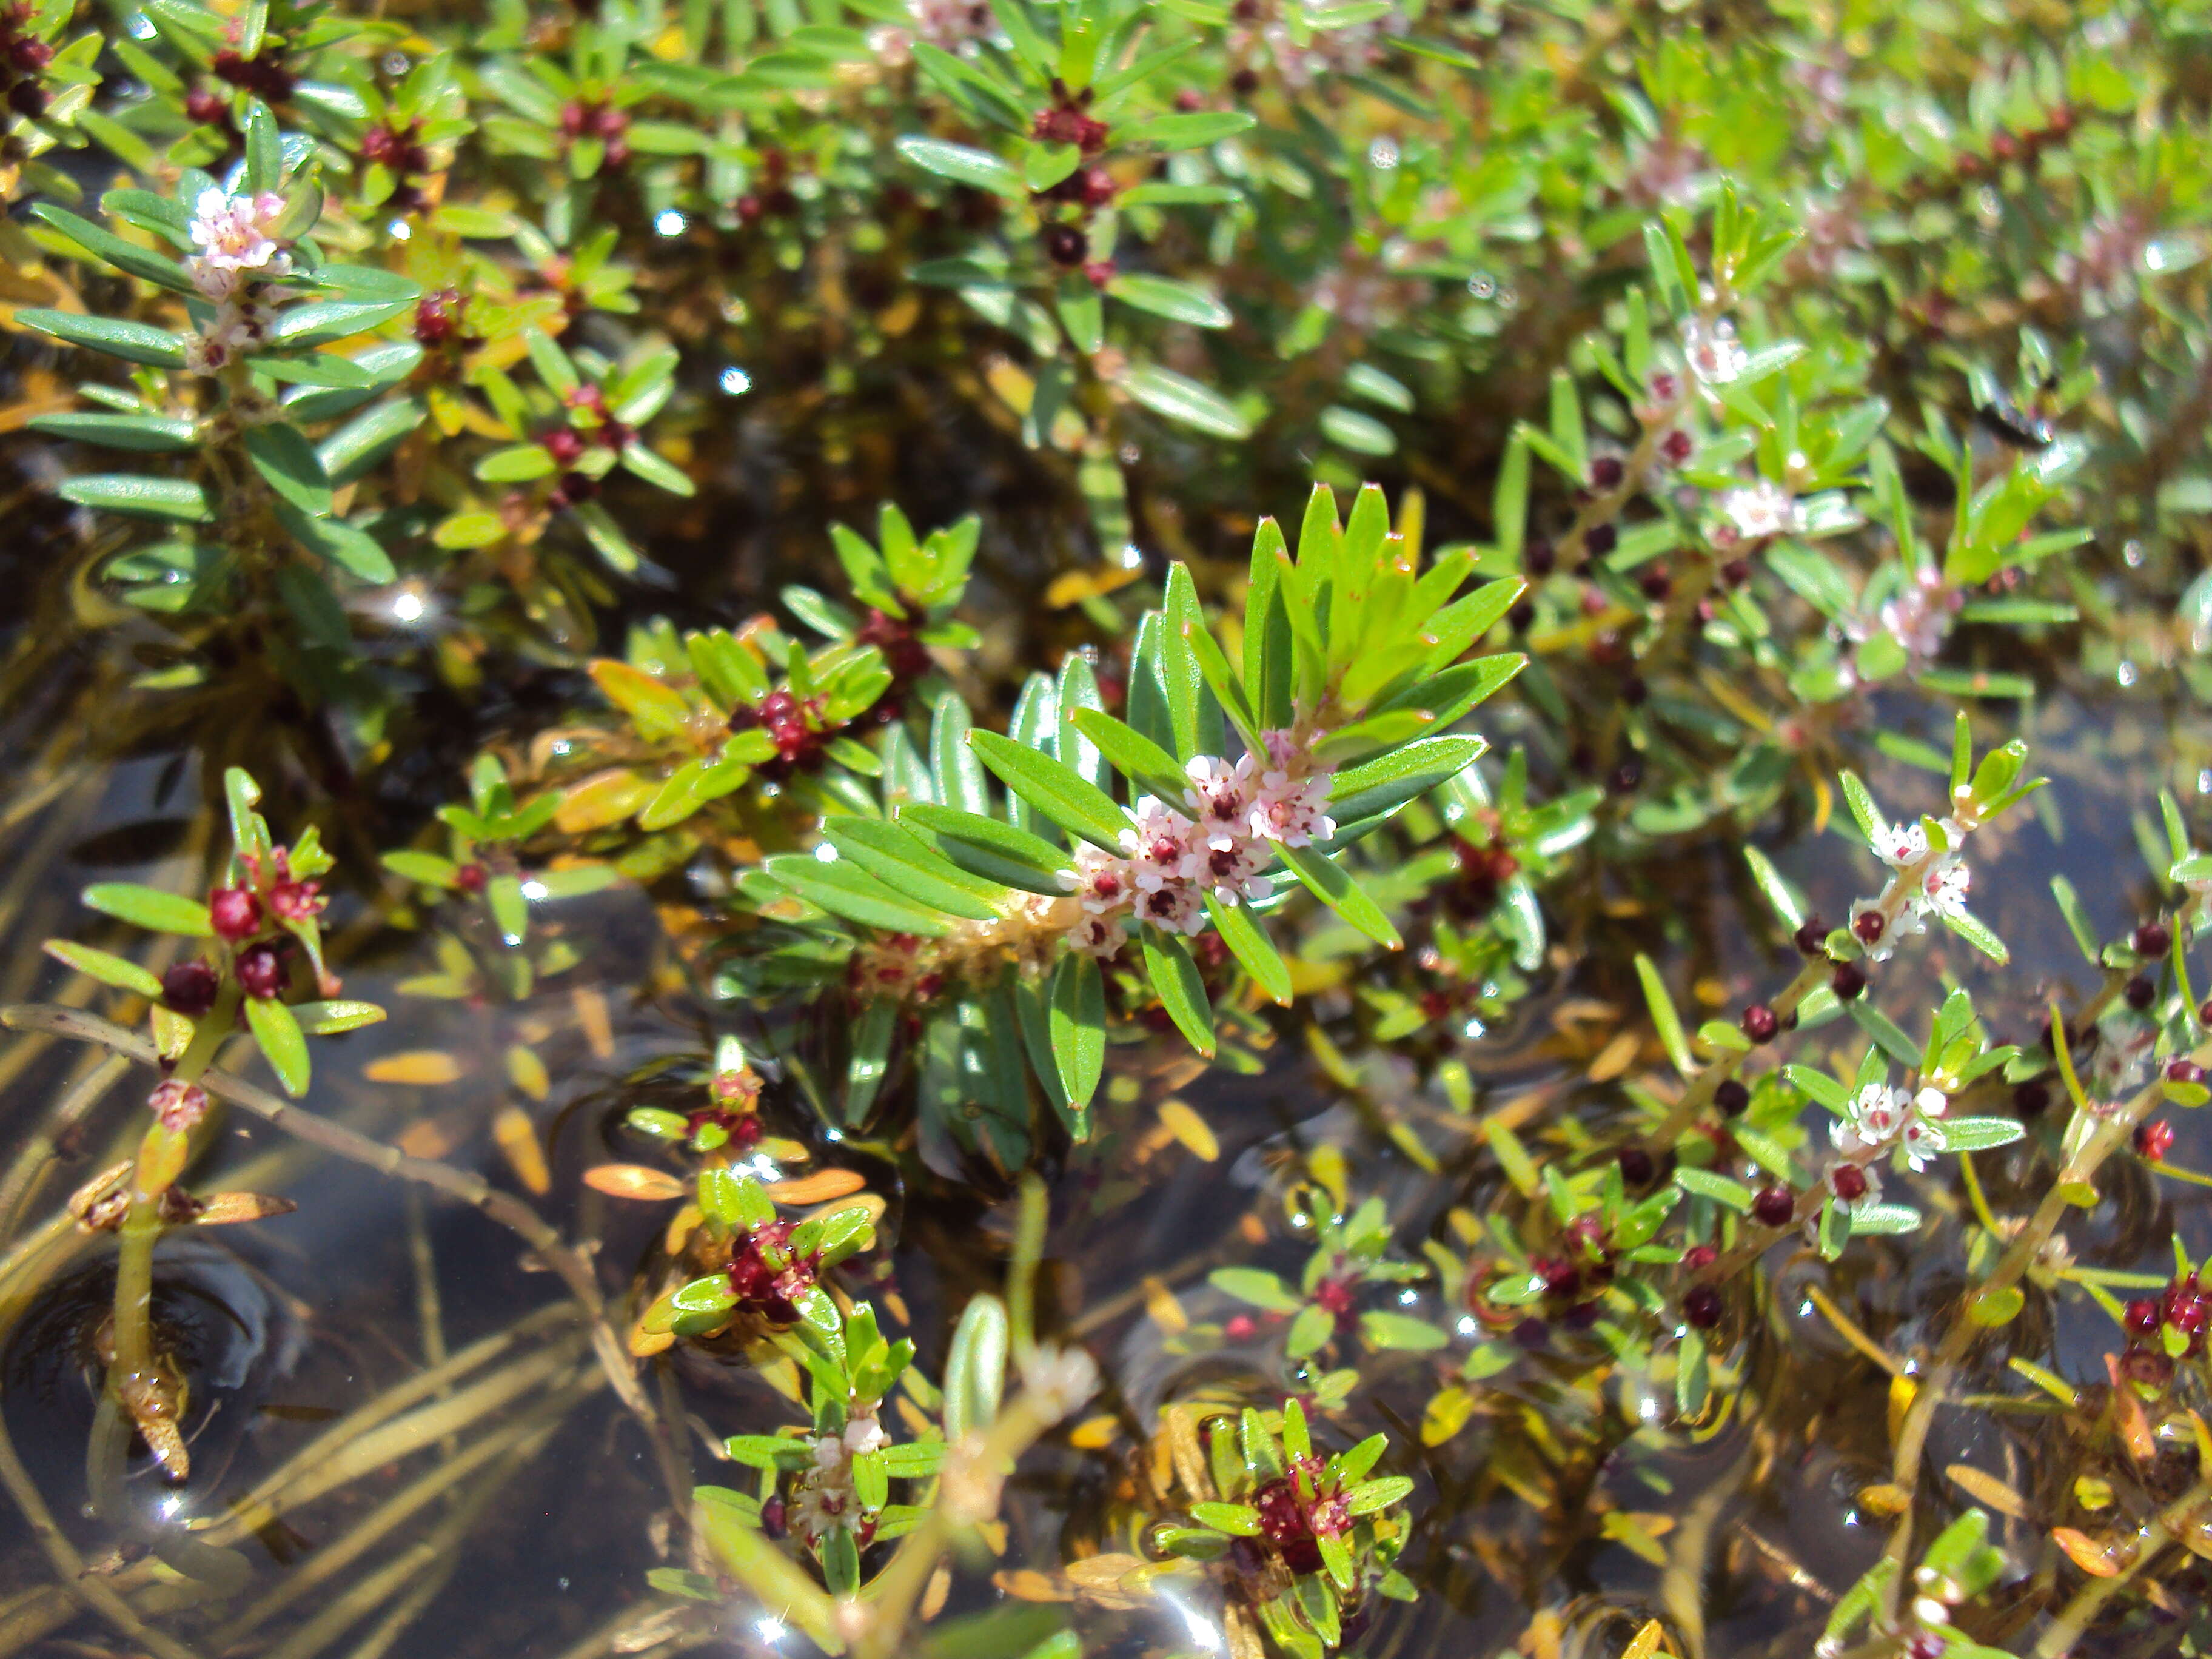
(1044, 827)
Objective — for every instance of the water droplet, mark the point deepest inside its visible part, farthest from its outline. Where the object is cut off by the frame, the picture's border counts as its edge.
(736, 381)
(396, 63)
(669, 223)
(1382, 154)
(1482, 285)
(2125, 674)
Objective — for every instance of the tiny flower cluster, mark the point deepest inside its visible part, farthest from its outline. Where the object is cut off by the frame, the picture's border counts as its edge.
(1238, 814)
(1881, 1119)
(238, 248)
(826, 1498)
(1931, 881)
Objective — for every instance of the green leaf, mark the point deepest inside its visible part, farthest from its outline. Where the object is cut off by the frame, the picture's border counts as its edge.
(328, 1018)
(123, 256)
(1180, 986)
(1258, 1287)
(1239, 1520)
(1247, 941)
(1186, 130)
(1663, 1016)
(988, 849)
(288, 463)
(1976, 1134)
(909, 867)
(1333, 887)
(106, 967)
(1073, 802)
(1388, 781)
(1076, 1020)
(964, 165)
(845, 890)
(1164, 296)
(280, 1039)
(150, 908)
(1372, 1496)
(146, 432)
(1183, 400)
(1401, 1331)
(134, 343)
(1776, 889)
(145, 498)
(1135, 756)
(354, 551)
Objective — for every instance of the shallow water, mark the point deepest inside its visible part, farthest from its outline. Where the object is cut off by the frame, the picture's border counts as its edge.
(540, 1549)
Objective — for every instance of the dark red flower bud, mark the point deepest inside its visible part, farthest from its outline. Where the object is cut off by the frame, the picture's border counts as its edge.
(1731, 1097)
(2153, 939)
(1665, 388)
(2148, 1367)
(564, 444)
(611, 122)
(29, 54)
(1636, 1168)
(208, 108)
(1867, 926)
(236, 912)
(1699, 1257)
(1606, 471)
(2142, 1316)
(1848, 981)
(1240, 1328)
(1702, 1307)
(2184, 1071)
(2141, 992)
(189, 988)
(1811, 936)
(1927, 1645)
(1098, 187)
(1774, 1207)
(1600, 539)
(1848, 1182)
(261, 970)
(1760, 1022)
(1735, 572)
(1676, 448)
(1539, 557)
(574, 117)
(1098, 272)
(1066, 244)
(1655, 582)
(2153, 1139)
(1190, 100)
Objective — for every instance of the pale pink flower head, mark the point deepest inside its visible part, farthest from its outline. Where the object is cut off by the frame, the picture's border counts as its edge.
(1099, 936)
(950, 24)
(1176, 906)
(1103, 882)
(232, 235)
(1163, 845)
(1231, 872)
(1918, 1143)
(1714, 354)
(1221, 798)
(1292, 811)
(1897, 845)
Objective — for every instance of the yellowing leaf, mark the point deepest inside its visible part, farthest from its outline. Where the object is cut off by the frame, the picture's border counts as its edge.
(819, 1187)
(517, 1138)
(526, 1071)
(1987, 1489)
(1160, 1302)
(2086, 1553)
(603, 799)
(1645, 1642)
(1095, 1433)
(633, 1180)
(1188, 1127)
(423, 1067)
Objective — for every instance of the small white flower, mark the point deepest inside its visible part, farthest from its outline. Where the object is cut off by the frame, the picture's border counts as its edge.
(1918, 1143)
(1759, 512)
(1897, 845)
(1098, 936)
(950, 24)
(1943, 889)
(1714, 354)
(1178, 907)
(1878, 1112)
(1931, 1102)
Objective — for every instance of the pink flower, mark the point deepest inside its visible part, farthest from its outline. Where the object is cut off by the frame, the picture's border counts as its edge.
(1758, 513)
(1220, 797)
(1900, 844)
(1098, 936)
(1292, 811)
(1231, 872)
(1103, 882)
(233, 236)
(1163, 847)
(1943, 890)
(1176, 906)
(1920, 616)
(1714, 354)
